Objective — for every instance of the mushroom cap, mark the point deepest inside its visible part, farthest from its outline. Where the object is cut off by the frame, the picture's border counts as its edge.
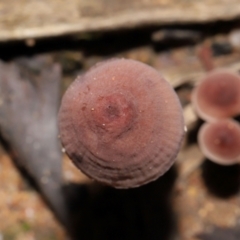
(217, 96)
(121, 123)
(220, 141)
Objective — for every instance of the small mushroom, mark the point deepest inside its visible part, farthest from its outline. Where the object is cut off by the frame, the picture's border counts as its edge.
(220, 141)
(217, 96)
(121, 123)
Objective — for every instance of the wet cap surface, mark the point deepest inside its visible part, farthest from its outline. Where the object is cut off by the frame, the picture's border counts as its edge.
(121, 123)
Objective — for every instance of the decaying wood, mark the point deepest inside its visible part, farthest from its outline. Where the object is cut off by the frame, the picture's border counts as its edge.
(33, 19)
(29, 100)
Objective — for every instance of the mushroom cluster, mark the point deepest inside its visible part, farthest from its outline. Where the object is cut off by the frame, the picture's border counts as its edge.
(217, 100)
(121, 123)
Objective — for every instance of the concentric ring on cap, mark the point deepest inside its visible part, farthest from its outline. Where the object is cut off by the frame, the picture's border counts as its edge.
(217, 96)
(220, 141)
(121, 123)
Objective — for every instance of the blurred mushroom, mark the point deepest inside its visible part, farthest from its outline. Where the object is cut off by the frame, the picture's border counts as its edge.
(205, 55)
(220, 141)
(121, 123)
(217, 96)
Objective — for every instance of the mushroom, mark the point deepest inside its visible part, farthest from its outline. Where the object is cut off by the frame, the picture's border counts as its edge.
(220, 141)
(205, 55)
(217, 96)
(121, 123)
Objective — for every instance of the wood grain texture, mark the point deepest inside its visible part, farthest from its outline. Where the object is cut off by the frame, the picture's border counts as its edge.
(34, 19)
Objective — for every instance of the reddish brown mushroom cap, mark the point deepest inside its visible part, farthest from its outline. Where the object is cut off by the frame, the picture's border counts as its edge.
(220, 141)
(217, 96)
(121, 123)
